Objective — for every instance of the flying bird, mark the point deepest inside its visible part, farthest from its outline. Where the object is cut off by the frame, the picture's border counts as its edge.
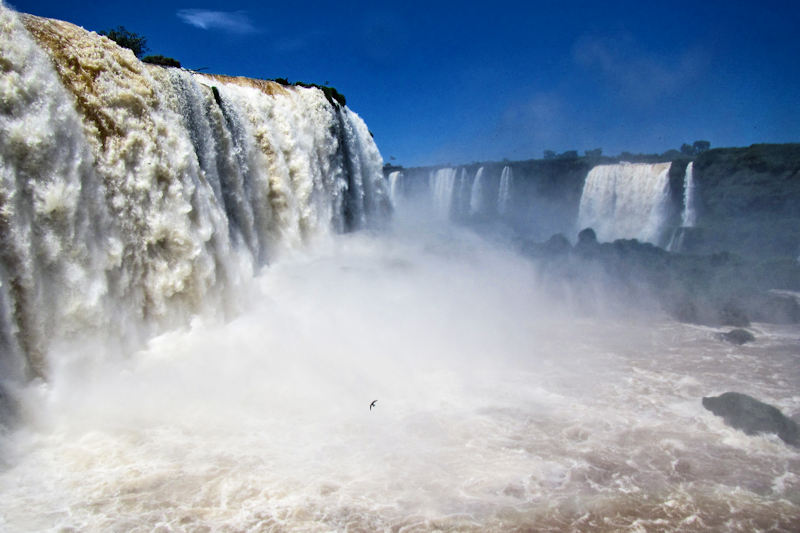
(372, 404)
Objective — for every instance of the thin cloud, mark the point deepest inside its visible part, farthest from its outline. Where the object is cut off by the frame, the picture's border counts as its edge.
(535, 124)
(230, 21)
(636, 74)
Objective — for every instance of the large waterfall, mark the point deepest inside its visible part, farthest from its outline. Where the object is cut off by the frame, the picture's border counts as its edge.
(626, 201)
(134, 196)
(192, 339)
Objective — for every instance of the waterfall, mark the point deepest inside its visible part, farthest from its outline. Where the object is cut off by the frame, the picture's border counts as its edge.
(139, 196)
(689, 217)
(476, 196)
(394, 179)
(462, 193)
(504, 192)
(626, 201)
(441, 184)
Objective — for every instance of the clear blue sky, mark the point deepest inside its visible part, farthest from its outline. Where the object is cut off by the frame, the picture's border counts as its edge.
(457, 82)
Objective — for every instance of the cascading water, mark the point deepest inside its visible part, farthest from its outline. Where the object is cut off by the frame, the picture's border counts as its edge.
(504, 192)
(689, 216)
(139, 195)
(626, 201)
(462, 194)
(476, 194)
(395, 177)
(441, 184)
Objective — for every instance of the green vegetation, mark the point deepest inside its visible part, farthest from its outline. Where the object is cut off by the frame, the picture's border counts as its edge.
(126, 39)
(138, 45)
(750, 199)
(162, 61)
(333, 96)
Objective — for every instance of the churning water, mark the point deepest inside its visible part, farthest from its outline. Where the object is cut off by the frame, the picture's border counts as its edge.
(506, 400)
(497, 409)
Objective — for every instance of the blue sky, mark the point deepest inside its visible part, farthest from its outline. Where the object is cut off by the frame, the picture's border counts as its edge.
(457, 82)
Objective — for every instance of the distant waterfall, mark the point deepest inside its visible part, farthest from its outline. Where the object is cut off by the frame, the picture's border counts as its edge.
(689, 217)
(441, 184)
(476, 195)
(462, 196)
(139, 195)
(394, 193)
(504, 192)
(626, 201)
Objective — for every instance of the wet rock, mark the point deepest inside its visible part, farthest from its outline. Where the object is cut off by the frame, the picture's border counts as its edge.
(731, 314)
(744, 412)
(737, 336)
(587, 237)
(557, 245)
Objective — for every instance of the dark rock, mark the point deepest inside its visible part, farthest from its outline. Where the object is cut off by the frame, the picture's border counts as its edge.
(752, 416)
(684, 310)
(737, 336)
(775, 308)
(587, 236)
(731, 314)
(557, 245)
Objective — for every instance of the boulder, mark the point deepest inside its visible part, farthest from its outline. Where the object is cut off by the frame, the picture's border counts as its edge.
(752, 416)
(737, 336)
(557, 245)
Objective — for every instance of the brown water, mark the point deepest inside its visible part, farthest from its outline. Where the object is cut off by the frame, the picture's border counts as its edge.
(497, 410)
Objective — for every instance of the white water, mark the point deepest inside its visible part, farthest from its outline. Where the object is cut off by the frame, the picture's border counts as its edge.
(135, 200)
(441, 185)
(689, 216)
(626, 201)
(504, 192)
(499, 407)
(476, 194)
(395, 178)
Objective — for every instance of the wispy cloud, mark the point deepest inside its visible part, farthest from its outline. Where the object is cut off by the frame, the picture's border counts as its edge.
(536, 123)
(230, 21)
(639, 75)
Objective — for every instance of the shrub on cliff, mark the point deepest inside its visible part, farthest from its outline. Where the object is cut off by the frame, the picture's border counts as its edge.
(162, 61)
(132, 41)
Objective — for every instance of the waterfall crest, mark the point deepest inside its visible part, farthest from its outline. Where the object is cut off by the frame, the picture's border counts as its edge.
(138, 195)
(625, 201)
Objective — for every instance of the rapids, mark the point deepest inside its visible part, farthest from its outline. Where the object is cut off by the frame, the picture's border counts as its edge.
(498, 409)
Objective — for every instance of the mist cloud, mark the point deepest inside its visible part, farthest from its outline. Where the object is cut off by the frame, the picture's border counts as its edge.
(229, 21)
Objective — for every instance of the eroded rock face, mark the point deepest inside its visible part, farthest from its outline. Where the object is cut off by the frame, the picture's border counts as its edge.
(753, 416)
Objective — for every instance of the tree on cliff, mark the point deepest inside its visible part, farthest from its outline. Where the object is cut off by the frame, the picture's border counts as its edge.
(701, 146)
(133, 41)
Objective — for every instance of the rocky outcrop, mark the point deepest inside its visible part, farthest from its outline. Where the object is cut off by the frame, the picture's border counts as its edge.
(752, 416)
(737, 336)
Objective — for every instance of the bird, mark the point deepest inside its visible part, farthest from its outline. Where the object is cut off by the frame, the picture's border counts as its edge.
(372, 404)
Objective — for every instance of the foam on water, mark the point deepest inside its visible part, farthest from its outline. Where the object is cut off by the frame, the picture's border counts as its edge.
(142, 198)
(496, 409)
